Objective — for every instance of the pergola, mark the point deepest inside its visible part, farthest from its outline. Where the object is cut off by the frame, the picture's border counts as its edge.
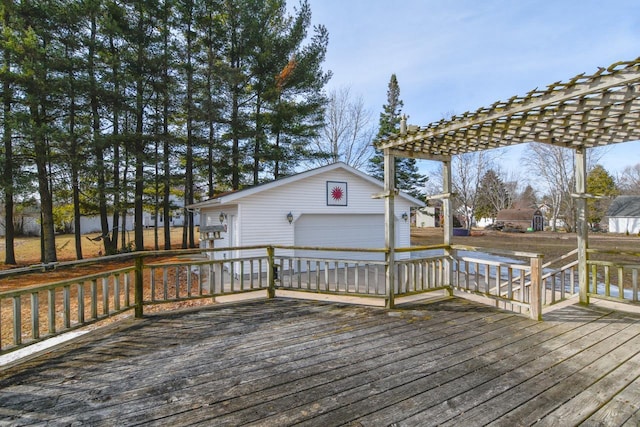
(584, 112)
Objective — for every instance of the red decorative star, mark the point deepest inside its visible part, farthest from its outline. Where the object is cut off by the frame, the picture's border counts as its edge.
(336, 193)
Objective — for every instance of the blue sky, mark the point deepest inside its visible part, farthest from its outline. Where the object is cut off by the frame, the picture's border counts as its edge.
(452, 56)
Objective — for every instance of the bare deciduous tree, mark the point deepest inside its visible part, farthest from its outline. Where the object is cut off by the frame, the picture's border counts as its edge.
(629, 180)
(467, 171)
(347, 133)
(553, 167)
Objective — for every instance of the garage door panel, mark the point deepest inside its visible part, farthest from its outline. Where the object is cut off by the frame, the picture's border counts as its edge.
(349, 231)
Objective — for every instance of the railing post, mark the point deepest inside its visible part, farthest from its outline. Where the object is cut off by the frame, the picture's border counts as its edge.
(535, 293)
(138, 287)
(271, 272)
(447, 215)
(389, 225)
(582, 226)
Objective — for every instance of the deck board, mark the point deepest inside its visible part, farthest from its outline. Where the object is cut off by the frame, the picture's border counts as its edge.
(285, 362)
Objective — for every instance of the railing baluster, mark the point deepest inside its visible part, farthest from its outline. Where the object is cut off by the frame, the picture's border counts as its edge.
(177, 290)
(17, 320)
(116, 292)
(621, 283)
(80, 299)
(35, 316)
(105, 296)
(232, 275)
(152, 274)
(222, 283)
(94, 299)
(127, 290)
(66, 306)
(189, 279)
(165, 283)
(51, 300)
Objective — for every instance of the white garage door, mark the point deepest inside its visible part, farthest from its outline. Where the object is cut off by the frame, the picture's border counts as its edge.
(346, 231)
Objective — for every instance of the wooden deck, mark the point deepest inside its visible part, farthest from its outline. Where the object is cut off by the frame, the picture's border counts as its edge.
(283, 362)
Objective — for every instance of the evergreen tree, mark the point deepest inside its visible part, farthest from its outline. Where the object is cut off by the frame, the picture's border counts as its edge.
(600, 183)
(7, 41)
(408, 178)
(492, 196)
(111, 105)
(527, 199)
(295, 99)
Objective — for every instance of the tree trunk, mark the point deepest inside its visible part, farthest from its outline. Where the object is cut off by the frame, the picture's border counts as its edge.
(46, 200)
(98, 146)
(8, 183)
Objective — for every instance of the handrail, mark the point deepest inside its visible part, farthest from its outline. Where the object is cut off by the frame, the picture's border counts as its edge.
(62, 283)
(210, 277)
(505, 252)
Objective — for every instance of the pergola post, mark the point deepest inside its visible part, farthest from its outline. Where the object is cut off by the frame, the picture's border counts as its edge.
(447, 216)
(389, 225)
(582, 230)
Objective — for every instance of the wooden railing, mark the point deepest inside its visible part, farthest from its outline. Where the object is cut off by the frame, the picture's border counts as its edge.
(37, 313)
(510, 278)
(323, 273)
(615, 276)
(560, 278)
(40, 312)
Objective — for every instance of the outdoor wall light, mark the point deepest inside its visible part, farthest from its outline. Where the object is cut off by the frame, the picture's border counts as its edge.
(405, 216)
(290, 217)
(222, 217)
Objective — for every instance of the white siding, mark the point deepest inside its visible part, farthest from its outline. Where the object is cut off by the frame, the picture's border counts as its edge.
(91, 224)
(262, 216)
(624, 225)
(425, 219)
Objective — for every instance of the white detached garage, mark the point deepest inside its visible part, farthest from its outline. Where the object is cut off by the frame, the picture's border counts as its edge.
(331, 206)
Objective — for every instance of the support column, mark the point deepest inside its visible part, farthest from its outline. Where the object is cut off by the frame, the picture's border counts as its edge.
(582, 229)
(447, 216)
(389, 225)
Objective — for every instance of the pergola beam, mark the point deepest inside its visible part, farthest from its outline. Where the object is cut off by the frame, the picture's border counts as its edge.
(589, 111)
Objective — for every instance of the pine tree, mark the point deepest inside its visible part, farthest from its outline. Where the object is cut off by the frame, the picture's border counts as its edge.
(408, 178)
(7, 12)
(492, 196)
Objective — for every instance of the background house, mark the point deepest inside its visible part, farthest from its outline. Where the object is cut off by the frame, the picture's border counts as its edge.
(429, 216)
(25, 223)
(331, 206)
(624, 215)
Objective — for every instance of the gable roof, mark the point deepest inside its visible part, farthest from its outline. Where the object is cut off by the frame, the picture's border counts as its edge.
(232, 197)
(625, 206)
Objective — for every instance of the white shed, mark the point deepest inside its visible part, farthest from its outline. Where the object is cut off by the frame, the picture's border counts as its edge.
(624, 215)
(331, 206)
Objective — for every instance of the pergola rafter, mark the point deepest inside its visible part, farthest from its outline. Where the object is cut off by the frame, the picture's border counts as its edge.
(585, 112)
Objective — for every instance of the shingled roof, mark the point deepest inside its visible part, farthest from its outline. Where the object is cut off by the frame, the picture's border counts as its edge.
(625, 206)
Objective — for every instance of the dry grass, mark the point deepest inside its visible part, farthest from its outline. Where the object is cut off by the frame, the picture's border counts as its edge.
(28, 248)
